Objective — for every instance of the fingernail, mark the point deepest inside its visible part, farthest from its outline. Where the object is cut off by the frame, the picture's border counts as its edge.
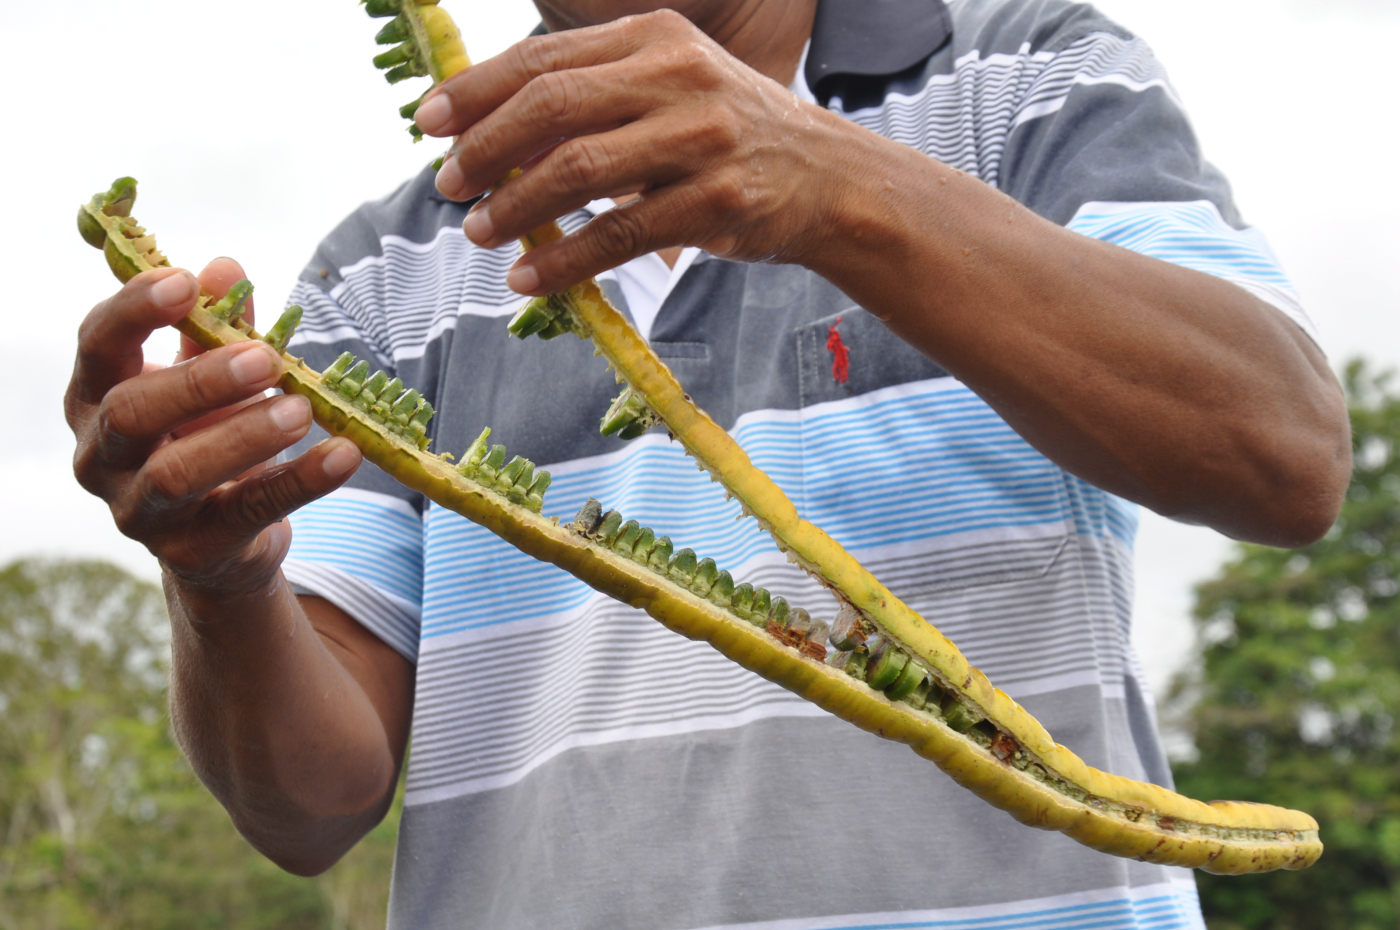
(477, 225)
(432, 114)
(291, 413)
(341, 459)
(252, 365)
(172, 291)
(523, 279)
(449, 178)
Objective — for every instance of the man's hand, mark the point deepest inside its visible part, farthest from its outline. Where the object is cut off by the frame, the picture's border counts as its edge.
(293, 714)
(180, 453)
(723, 157)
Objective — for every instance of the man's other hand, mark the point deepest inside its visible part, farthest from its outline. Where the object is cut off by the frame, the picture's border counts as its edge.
(182, 454)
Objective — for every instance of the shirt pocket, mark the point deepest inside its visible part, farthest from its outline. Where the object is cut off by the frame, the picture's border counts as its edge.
(916, 475)
(873, 358)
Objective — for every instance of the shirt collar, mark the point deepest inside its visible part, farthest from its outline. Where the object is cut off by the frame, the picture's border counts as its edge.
(870, 38)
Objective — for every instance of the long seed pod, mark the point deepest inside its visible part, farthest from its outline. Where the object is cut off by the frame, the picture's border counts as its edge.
(988, 743)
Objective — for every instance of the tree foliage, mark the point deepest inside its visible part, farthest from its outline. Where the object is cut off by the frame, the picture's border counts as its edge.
(102, 822)
(1296, 700)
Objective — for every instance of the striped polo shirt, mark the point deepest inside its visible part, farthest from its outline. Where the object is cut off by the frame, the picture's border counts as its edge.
(574, 764)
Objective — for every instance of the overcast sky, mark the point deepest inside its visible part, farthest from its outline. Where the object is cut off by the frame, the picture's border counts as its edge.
(253, 134)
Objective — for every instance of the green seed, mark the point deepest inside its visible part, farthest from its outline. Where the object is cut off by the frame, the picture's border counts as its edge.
(505, 479)
(231, 306)
(705, 574)
(682, 567)
(410, 108)
(332, 375)
(415, 132)
(722, 591)
(517, 492)
(490, 467)
(589, 517)
(815, 643)
(418, 426)
(282, 330)
(758, 613)
(531, 318)
(627, 537)
(660, 558)
(471, 459)
(381, 8)
(395, 56)
(910, 678)
(353, 380)
(409, 69)
(559, 308)
(555, 328)
(852, 663)
(534, 498)
(628, 416)
(396, 30)
(423, 414)
(633, 430)
(641, 549)
(373, 388)
(741, 603)
(437, 163)
(609, 528)
(384, 400)
(778, 614)
(887, 661)
(403, 407)
(958, 715)
(919, 696)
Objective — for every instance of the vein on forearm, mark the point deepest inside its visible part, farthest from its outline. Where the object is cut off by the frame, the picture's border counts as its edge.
(1165, 385)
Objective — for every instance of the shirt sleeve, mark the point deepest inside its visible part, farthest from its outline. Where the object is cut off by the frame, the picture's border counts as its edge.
(1101, 144)
(360, 547)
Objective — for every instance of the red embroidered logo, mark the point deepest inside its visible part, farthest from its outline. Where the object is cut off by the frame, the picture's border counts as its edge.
(840, 355)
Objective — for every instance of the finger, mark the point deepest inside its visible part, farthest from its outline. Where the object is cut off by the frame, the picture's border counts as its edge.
(554, 106)
(611, 164)
(678, 215)
(141, 411)
(110, 338)
(249, 515)
(244, 509)
(470, 95)
(216, 278)
(179, 475)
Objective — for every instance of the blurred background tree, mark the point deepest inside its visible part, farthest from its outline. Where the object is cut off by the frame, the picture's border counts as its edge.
(1297, 694)
(102, 821)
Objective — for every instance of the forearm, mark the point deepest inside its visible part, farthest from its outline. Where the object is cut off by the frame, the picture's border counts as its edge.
(275, 725)
(1161, 384)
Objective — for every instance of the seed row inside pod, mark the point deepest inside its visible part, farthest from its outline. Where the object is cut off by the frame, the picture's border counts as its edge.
(516, 480)
(548, 316)
(405, 413)
(860, 651)
(425, 43)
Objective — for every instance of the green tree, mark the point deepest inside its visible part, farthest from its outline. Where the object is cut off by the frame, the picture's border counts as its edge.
(102, 822)
(1297, 696)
